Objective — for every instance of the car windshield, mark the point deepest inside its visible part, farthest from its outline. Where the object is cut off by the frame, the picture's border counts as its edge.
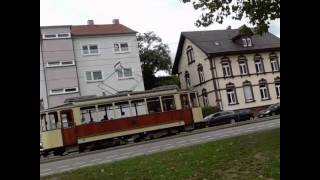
(209, 116)
(228, 112)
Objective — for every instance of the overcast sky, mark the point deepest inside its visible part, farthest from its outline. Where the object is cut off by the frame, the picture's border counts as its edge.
(167, 18)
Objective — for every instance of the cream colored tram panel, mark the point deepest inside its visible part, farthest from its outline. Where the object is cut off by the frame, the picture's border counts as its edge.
(51, 139)
(197, 114)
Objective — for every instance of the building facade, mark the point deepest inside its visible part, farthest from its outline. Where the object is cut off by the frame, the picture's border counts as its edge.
(232, 69)
(87, 60)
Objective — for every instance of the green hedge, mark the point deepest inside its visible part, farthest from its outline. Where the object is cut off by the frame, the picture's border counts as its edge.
(209, 110)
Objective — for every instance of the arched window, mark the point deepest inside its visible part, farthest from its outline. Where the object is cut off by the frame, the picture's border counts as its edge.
(274, 62)
(187, 77)
(258, 61)
(190, 55)
(226, 67)
(205, 97)
(247, 91)
(231, 94)
(264, 89)
(243, 65)
(277, 86)
(201, 73)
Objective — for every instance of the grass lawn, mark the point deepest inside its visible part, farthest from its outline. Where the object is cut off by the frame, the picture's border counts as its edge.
(247, 157)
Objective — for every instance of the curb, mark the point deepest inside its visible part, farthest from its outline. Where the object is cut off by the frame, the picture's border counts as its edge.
(182, 134)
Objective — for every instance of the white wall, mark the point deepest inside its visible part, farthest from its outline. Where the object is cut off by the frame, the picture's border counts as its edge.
(105, 62)
(200, 57)
(254, 79)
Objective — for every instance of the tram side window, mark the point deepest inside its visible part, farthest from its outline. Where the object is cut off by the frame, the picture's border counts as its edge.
(54, 121)
(105, 112)
(138, 107)
(194, 100)
(88, 115)
(168, 103)
(153, 105)
(122, 109)
(184, 101)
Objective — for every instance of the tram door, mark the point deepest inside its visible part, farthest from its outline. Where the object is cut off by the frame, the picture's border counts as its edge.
(68, 128)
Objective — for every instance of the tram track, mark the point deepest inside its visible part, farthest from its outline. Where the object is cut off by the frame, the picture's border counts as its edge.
(181, 134)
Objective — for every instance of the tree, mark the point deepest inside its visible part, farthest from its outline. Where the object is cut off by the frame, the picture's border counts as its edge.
(154, 56)
(259, 12)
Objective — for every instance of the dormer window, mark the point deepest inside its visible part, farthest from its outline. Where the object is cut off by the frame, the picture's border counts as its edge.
(244, 42)
(249, 42)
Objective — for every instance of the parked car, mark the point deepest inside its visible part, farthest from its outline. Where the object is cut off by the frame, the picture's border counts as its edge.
(270, 111)
(224, 117)
(244, 115)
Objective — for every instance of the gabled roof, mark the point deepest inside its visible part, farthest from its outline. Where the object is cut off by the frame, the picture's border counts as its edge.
(206, 41)
(105, 29)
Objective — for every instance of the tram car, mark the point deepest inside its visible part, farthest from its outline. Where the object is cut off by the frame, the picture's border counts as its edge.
(85, 123)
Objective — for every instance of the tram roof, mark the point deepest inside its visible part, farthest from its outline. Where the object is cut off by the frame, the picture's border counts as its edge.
(122, 96)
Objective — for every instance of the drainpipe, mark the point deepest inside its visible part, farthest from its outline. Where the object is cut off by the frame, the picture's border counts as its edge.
(214, 79)
(75, 63)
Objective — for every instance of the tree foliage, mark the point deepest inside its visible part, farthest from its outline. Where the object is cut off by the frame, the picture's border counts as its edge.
(168, 80)
(259, 12)
(154, 56)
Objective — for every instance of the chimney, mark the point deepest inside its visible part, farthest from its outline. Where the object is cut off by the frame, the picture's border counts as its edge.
(115, 21)
(229, 27)
(90, 22)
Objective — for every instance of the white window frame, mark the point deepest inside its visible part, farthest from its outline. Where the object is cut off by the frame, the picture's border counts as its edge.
(190, 55)
(249, 42)
(89, 51)
(264, 89)
(123, 76)
(226, 66)
(91, 74)
(277, 87)
(56, 36)
(206, 100)
(251, 92)
(188, 81)
(244, 42)
(63, 91)
(232, 95)
(201, 73)
(243, 68)
(120, 49)
(259, 66)
(69, 35)
(60, 64)
(274, 65)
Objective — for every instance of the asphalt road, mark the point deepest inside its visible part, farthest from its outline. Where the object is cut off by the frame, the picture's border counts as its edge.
(152, 147)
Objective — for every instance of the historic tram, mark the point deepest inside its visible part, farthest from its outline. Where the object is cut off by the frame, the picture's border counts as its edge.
(88, 122)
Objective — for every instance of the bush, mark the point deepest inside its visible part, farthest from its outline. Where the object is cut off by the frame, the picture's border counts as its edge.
(209, 110)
